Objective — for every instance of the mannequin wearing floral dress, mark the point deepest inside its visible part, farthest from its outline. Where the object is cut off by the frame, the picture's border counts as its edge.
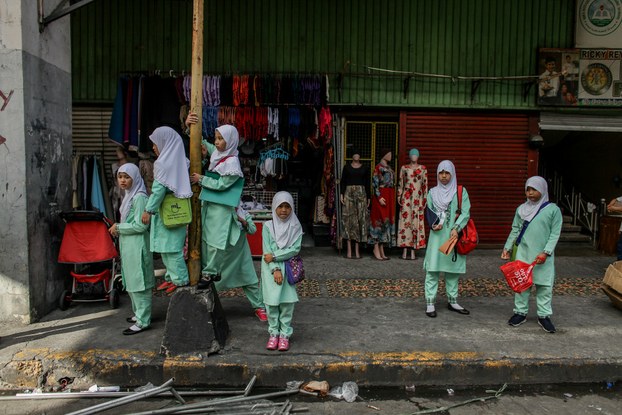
(412, 189)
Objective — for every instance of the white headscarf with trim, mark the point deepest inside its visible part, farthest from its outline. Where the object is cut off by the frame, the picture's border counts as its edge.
(138, 187)
(527, 211)
(284, 232)
(171, 166)
(442, 194)
(230, 166)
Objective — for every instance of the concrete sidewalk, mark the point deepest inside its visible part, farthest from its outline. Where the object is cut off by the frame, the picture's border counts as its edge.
(360, 320)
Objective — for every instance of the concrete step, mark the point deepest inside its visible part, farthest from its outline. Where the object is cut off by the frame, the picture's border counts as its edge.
(568, 227)
(567, 219)
(574, 237)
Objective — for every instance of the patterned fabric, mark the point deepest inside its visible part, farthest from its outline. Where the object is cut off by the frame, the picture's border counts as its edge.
(411, 194)
(382, 218)
(355, 214)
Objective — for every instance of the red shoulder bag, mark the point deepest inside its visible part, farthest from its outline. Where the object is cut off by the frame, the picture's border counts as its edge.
(467, 237)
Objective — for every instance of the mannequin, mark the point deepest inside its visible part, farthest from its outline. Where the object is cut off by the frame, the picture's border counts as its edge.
(382, 217)
(411, 195)
(355, 199)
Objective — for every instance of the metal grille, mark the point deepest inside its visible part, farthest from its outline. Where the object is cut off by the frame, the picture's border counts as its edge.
(370, 138)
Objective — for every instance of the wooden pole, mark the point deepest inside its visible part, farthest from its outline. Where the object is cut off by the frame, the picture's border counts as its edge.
(196, 106)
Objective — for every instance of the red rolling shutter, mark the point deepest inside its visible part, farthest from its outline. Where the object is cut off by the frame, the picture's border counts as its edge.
(491, 155)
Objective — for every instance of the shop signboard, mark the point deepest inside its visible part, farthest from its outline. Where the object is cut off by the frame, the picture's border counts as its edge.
(598, 24)
(580, 77)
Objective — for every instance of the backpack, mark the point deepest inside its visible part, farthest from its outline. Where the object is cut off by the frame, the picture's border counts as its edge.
(467, 237)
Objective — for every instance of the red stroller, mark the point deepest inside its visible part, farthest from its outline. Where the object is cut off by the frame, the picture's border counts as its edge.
(88, 245)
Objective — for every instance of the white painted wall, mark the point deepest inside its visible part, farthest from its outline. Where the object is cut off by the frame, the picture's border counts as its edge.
(35, 154)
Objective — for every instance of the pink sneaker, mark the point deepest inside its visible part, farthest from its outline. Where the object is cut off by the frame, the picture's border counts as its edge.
(261, 314)
(283, 344)
(273, 341)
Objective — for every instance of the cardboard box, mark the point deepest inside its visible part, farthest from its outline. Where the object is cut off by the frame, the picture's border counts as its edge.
(613, 276)
(614, 296)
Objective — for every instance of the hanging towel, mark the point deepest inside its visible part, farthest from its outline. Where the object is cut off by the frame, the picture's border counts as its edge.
(97, 197)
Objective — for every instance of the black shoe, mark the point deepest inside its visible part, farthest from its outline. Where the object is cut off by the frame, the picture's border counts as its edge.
(131, 319)
(461, 311)
(205, 282)
(516, 320)
(431, 313)
(134, 330)
(546, 324)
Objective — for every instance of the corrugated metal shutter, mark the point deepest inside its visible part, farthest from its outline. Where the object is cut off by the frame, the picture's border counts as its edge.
(90, 135)
(492, 159)
(580, 122)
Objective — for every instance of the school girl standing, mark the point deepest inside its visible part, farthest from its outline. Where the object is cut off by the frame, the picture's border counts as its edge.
(442, 200)
(535, 231)
(282, 239)
(238, 269)
(170, 176)
(136, 257)
(220, 230)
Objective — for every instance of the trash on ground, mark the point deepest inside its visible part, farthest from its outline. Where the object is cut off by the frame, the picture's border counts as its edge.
(610, 385)
(373, 407)
(293, 384)
(409, 388)
(143, 388)
(568, 395)
(96, 388)
(315, 386)
(348, 391)
(497, 394)
(450, 392)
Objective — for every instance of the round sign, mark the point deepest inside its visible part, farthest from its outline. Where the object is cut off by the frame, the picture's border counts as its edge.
(596, 79)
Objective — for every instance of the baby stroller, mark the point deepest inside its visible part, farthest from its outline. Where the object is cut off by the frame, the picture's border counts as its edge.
(91, 249)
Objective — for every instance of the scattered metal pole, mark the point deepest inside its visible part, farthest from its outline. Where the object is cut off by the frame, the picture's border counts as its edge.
(250, 385)
(99, 395)
(166, 386)
(216, 402)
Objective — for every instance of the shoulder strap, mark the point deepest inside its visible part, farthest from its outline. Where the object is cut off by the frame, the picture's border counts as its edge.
(527, 222)
(459, 211)
(222, 160)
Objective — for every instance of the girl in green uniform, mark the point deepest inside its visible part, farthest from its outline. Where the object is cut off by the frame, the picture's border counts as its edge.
(136, 258)
(170, 176)
(238, 269)
(535, 231)
(220, 229)
(442, 200)
(282, 239)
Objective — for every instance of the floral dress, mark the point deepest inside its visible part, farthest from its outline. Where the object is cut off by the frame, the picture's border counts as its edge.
(382, 218)
(411, 195)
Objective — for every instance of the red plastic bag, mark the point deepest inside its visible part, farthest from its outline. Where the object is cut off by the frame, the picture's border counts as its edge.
(518, 274)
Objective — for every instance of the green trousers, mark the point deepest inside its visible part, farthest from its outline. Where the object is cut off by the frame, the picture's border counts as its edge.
(254, 295)
(176, 269)
(280, 319)
(210, 259)
(431, 286)
(544, 297)
(141, 306)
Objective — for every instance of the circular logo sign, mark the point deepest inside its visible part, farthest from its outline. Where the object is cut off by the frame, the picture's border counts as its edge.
(600, 17)
(596, 79)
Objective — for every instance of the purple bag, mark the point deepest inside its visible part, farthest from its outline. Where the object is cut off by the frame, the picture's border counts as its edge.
(294, 270)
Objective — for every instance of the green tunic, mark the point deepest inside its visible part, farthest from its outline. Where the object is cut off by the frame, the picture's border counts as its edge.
(238, 269)
(541, 235)
(219, 223)
(163, 239)
(274, 294)
(434, 260)
(136, 258)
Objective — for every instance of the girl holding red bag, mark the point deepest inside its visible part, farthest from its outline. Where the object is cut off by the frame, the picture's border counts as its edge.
(535, 231)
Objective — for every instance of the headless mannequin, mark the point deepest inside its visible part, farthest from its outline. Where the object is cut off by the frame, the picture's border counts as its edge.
(413, 164)
(356, 164)
(379, 248)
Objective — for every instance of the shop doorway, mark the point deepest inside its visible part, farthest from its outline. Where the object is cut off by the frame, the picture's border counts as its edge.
(370, 137)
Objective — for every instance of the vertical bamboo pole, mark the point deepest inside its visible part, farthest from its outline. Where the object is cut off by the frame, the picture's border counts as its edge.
(196, 106)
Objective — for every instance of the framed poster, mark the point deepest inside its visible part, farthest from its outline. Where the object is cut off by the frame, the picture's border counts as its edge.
(583, 77)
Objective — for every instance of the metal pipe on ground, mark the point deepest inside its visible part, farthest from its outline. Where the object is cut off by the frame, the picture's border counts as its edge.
(166, 386)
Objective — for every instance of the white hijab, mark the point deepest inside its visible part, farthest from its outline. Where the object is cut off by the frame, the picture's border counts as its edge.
(138, 187)
(171, 166)
(528, 210)
(284, 232)
(442, 194)
(231, 166)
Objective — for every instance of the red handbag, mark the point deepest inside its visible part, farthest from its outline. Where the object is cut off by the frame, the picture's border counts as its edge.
(518, 274)
(467, 237)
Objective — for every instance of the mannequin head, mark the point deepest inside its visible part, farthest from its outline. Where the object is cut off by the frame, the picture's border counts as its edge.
(386, 155)
(413, 154)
